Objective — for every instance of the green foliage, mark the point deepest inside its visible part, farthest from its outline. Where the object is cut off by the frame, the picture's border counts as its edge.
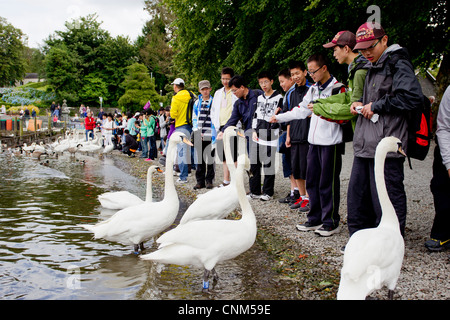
(251, 36)
(84, 62)
(139, 88)
(12, 59)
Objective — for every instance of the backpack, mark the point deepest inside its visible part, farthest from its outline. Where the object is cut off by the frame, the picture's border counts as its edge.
(190, 108)
(419, 123)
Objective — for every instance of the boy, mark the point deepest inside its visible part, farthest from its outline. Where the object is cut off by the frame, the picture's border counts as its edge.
(264, 139)
(391, 90)
(297, 136)
(204, 136)
(324, 156)
(221, 109)
(288, 86)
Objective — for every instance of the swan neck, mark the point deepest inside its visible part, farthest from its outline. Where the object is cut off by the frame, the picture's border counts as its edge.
(388, 215)
(247, 211)
(228, 155)
(169, 185)
(149, 191)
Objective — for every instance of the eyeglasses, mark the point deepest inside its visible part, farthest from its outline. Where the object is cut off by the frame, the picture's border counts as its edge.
(311, 73)
(371, 47)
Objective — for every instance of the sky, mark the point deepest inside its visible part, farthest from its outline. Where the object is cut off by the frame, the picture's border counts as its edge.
(40, 18)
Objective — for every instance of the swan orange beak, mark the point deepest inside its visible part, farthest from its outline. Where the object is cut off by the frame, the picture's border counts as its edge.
(400, 150)
(189, 143)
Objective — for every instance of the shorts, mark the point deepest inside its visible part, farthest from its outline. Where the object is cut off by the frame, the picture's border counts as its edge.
(299, 153)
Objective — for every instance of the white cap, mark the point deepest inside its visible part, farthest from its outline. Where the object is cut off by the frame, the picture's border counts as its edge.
(178, 81)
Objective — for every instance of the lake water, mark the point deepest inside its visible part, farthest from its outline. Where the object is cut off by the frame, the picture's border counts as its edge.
(44, 255)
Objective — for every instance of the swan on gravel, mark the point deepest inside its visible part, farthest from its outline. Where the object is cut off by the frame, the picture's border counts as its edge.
(373, 257)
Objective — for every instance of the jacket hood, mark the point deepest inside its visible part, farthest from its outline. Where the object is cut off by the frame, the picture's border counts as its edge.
(392, 49)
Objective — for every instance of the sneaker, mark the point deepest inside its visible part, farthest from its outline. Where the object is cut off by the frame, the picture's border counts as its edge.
(181, 181)
(304, 207)
(307, 227)
(253, 196)
(297, 204)
(148, 159)
(286, 199)
(327, 231)
(437, 245)
(199, 186)
(265, 197)
(224, 184)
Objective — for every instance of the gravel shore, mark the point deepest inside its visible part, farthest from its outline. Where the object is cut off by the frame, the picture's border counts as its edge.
(315, 262)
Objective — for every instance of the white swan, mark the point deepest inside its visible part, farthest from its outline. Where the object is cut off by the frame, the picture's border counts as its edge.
(373, 257)
(123, 199)
(219, 202)
(134, 225)
(204, 243)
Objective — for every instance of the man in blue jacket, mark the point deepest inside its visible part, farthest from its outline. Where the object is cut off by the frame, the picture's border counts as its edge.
(244, 107)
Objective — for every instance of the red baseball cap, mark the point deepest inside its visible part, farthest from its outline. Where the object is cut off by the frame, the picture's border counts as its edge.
(342, 38)
(366, 33)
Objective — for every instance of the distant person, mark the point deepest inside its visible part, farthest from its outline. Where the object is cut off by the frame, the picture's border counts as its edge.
(204, 134)
(183, 122)
(89, 125)
(130, 147)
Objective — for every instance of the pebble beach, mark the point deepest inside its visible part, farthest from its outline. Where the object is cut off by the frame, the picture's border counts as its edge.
(314, 262)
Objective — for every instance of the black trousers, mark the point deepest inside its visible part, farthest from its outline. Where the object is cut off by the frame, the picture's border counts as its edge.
(440, 188)
(363, 205)
(323, 184)
(205, 161)
(262, 156)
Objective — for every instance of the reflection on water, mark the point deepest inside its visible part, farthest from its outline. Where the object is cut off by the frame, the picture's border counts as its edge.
(44, 255)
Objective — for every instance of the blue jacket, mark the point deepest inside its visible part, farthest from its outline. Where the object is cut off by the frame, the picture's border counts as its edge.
(244, 110)
(196, 114)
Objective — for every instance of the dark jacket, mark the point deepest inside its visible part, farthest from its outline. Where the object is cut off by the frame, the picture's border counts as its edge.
(243, 110)
(299, 128)
(394, 91)
(130, 143)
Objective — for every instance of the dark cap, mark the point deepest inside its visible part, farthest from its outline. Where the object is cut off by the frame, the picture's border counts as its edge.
(342, 38)
(366, 33)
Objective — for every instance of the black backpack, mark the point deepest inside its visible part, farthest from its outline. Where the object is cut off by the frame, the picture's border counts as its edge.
(419, 123)
(190, 108)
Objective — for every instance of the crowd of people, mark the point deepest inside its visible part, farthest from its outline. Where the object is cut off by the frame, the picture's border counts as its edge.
(309, 123)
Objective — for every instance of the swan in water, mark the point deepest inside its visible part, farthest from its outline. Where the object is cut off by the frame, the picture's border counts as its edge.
(373, 257)
(123, 199)
(204, 243)
(136, 224)
(219, 202)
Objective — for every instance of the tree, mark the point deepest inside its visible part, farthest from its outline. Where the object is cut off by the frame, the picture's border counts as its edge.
(139, 88)
(154, 46)
(93, 88)
(95, 61)
(252, 36)
(12, 59)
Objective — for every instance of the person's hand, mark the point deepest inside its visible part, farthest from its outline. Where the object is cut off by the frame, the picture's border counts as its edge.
(353, 107)
(255, 136)
(311, 107)
(288, 141)
(220, 136)
(366, 111)
(273, 119)
(448, 173)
